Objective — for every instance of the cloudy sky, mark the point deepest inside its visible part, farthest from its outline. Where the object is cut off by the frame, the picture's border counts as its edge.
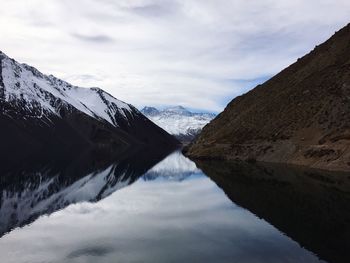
(195, 53)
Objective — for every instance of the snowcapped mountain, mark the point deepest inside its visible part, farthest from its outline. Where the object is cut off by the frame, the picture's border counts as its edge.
(39, 110)
(180, 122)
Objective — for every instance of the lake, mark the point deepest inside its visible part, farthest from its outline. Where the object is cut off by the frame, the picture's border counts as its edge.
(156, 208)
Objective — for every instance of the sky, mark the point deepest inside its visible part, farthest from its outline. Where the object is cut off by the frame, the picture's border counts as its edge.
(196, 53)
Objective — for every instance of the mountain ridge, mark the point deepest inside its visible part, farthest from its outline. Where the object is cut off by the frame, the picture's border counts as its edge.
(300, 116)
(41, 112)
(178, 121)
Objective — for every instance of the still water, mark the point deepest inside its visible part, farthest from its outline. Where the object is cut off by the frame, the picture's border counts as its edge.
(134, 210)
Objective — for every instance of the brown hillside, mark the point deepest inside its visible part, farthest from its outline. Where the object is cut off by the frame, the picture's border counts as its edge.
(300, 116)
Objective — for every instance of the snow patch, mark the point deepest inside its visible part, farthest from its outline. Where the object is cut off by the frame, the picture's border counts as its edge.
(178, 120)
(48, 94)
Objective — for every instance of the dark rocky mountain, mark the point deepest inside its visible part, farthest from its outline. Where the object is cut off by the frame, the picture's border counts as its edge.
(300, 116)
(43, 113)
(178, 121)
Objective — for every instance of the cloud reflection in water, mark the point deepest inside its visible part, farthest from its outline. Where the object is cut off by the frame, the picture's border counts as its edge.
(155, 221)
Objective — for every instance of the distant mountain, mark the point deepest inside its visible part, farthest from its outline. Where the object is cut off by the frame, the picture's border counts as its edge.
(179, 121)
(150, 111)
(300, 116)
(40, 112)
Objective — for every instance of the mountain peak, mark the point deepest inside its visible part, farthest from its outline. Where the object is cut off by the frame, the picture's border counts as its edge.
(60, 112)
(2, 55)
(150, 111)
(179, 121)
(177, 109)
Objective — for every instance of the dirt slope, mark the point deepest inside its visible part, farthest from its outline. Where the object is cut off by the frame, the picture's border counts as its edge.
(300, 116)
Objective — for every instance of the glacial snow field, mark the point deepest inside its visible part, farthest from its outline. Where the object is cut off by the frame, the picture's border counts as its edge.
(179, 121)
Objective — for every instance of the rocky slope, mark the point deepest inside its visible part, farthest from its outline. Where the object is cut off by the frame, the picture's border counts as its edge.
(300, 116)
(43, 113)
(178, 121)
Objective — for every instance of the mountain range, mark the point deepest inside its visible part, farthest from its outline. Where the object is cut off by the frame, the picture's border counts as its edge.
(178, 121)
(43, 113)
(300, 116)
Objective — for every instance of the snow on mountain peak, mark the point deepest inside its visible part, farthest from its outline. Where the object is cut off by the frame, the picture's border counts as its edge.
(41, 94)
(177, 109)
(179, 121)
(150, 111)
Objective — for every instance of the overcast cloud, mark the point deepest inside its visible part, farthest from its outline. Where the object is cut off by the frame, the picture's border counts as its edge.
(199, 54)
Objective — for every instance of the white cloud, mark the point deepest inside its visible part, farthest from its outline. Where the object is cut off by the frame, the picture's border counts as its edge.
(153, 52)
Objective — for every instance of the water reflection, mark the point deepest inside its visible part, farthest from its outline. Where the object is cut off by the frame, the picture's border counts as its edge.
(310, 206)
(174, 167)
(173, 213)
(43, 187)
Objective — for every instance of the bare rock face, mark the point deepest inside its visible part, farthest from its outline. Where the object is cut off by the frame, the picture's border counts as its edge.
(300, 116)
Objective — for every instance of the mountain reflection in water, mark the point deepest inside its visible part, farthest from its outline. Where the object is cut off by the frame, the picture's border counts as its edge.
(170, 212)
(38, 187)
(310, 206)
